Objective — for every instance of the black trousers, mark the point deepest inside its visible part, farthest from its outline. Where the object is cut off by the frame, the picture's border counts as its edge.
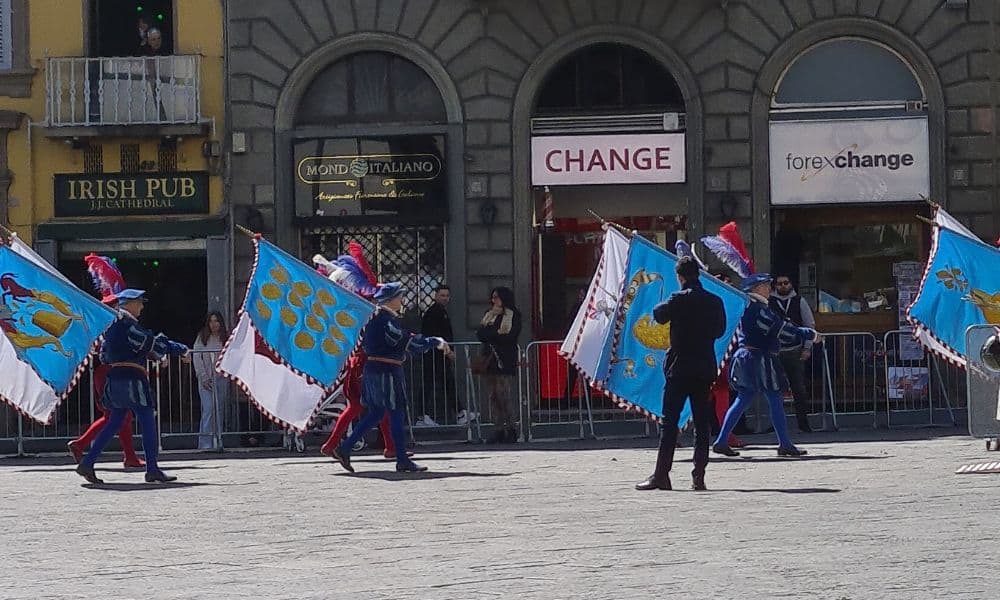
(795, 369)
(678, 390)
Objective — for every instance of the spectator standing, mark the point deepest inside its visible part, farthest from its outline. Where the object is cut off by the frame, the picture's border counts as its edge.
(792, 307)
(213, 389)
(439, 369)
(498, 331)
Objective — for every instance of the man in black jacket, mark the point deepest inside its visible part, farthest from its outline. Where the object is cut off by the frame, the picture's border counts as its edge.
(438, 370)
(697, 318)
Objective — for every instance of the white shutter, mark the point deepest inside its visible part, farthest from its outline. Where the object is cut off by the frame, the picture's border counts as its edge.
(5, 45)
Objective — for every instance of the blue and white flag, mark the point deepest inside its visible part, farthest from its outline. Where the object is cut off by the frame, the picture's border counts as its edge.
(294, 334)
(637, 351)
(960, 288)
(50, 329)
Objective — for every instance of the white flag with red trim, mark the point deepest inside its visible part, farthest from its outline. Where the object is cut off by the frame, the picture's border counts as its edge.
(594, 323)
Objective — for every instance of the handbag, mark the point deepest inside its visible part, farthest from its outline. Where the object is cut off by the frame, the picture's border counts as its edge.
(480, 365)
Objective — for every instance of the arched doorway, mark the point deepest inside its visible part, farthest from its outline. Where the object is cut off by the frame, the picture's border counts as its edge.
(608, 137)
(371, 155)
(850, 160)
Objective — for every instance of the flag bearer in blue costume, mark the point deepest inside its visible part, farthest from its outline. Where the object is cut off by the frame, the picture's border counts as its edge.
(756, 368)
(127, 345)
(383, 386)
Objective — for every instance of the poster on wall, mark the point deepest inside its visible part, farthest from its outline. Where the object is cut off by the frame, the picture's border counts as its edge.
(401, 176)
(849, 160)
(908, 275)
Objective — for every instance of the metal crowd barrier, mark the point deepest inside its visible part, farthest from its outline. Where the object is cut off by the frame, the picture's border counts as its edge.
(983, 382)
(917, 388)
(445, 403)
(557, 400)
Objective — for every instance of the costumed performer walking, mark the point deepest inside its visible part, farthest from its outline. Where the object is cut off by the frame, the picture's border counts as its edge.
(127, 346)
(108, 281)
(353, 272)
(761, 335)
(386, 344)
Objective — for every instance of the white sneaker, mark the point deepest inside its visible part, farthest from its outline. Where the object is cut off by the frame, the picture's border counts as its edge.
(462, 419)
(425, 421)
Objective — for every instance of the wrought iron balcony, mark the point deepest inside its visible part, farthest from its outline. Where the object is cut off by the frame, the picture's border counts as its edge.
(123, 91)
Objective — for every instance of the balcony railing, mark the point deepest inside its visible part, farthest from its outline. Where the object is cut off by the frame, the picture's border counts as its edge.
(153, 90)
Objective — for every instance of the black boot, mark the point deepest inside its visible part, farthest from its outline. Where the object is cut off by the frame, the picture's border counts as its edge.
(87, 472)
(510, 435)
(654, 483)
(343, 458)
(159, 476)
(698, 483)
(725, 450)
(804, 425)
(793, 451)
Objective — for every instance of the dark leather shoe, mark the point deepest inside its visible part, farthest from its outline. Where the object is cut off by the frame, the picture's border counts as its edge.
(75, 450)
(409, 467)
(344, 459)
(698, 483)
(652, 483)
(88, 473)
(724, 450)
(793, 451)
(159, 476)
(805, 428)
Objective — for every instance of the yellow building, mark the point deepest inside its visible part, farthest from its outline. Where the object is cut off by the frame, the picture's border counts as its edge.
(110, 116)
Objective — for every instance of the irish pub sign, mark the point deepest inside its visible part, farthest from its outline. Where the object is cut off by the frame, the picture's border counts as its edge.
(119, 194)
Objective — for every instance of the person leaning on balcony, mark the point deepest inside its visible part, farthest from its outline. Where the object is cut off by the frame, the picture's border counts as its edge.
(154, 43)
(498, 332)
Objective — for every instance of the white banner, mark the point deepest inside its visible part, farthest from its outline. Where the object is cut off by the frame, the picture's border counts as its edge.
(847, 160)
(607, 159)
(594, 322)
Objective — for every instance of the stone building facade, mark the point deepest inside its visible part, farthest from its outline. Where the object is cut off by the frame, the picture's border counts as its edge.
(492, 60)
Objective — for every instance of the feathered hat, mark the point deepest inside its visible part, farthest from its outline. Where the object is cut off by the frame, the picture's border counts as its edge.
(350, 270)
(108, 280)
(728, 247)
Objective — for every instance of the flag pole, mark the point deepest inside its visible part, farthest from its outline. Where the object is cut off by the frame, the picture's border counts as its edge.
(621, 228)
(926, 220)
(250, 234)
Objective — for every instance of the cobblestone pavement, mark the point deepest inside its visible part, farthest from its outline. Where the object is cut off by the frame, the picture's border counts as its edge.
(856, 519)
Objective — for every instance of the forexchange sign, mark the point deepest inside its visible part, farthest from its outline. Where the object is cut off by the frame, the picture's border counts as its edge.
(849, 160)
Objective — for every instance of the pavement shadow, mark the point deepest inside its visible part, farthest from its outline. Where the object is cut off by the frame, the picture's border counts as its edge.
(104, 469)
(395, 476)
(375, 459)
(806, 458)
(778, 490)
(144, 487)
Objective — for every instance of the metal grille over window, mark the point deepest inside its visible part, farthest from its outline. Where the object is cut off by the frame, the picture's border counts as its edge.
(413, 255)
(167, 158)
(6, 50)
(130, 158)
(93, 159)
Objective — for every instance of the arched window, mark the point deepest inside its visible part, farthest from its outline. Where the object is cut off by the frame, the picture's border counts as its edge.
(609, 78)
(371, 87)
(847, 72)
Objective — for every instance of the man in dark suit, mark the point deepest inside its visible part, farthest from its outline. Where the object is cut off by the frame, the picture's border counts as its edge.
(697, 318)
(440, 394)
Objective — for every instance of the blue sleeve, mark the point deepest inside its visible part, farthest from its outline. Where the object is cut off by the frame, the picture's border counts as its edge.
(163, 346)
(140, 340)
(419, 344)
(394, 334)
(791, 336)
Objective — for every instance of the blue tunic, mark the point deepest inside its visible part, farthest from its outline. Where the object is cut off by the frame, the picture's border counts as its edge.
(128, 342)
(761, 335)
(383, 383)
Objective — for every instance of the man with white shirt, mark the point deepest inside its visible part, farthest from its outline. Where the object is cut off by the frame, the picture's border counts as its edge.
(794, 308)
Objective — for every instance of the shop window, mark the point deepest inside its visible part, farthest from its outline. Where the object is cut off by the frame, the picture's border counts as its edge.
(93, 159)
(850, 265)
(130, 158)
(371, 87)
(120, 28)
(847, 71)
(609, 78)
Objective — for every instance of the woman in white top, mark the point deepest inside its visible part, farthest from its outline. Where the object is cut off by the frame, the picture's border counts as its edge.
(212, 387)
